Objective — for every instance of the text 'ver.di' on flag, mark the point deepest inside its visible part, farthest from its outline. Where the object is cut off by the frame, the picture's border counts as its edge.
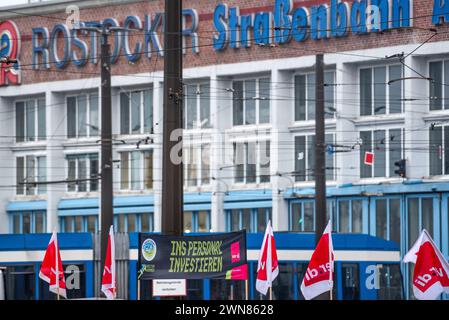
(51, 269)
(108, 283)
(268, 268)
(431, 272)
(319, 274)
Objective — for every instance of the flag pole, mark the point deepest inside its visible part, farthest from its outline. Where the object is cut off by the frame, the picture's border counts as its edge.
(271, 293)
(138, 289)
(246, 290)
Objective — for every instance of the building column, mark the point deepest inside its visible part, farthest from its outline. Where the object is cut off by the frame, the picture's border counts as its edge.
(348, 163)
(221, 119)
(158, 95)
(281, 159)
(7, 113)
(56, 119)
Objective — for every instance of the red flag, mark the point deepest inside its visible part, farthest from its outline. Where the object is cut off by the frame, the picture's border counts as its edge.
(319, 273)
(108, 284)
(431, 273)
(51, 268)
(369, 158)
(267, 269)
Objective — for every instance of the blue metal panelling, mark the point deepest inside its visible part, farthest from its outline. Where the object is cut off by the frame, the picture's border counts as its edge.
(197, 207)
(248, 195)
(15, 242)
(248, 204)
(78, 212)
(26, 206)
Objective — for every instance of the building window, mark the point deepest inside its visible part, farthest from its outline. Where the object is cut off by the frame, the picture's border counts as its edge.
(305, 158)
(196, 160)
(82, 116)
(252, 162)
(20, 282)
(387, 148)
(438, 91)
(196, 221)
(253, 220)
(197, 106)
(136, 112)
(388, 219)
(305, 95)
(303, 216)
(29, 170)
(83, 172)
(251, 101)
(136, 170)
(439, 150)
(30, 120)
(377, 94)
(350, 216)
(28, 222)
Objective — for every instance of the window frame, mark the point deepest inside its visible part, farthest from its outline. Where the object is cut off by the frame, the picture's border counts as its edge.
(143, 130)
(443, 81)
(198, 97)
(88, 157)
(258, 164)
(195, 220)
(254, 218)
(188, 160)
(33, 216)
(88, 124)
(36, 136)
(38, 189)
(142, 169)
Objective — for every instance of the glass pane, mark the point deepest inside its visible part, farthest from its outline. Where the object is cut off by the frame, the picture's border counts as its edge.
(205, 106)
(135, 170)
(309, 216)
(124, 170)
(413, 220)
(239, 161)
(71, 117)
(251, 162)
(16, 223)
(135, 111)
(311, 158)
(148, 111)
(41, 122)
(380, 93)
(188, 222)
(300, 158)
(131, 222)
(68, 224)
(79, 224)
(261, 220)
(357, 209)
(330, 158)
(145, 222)
(380, 159)
(436, 92)
(264, 160)
(446, 150)
(351, 284)
(94, 122)
(203, 221)
(395, 221)
(300, 97)
(20, 176)
(446, 88)
(264, 101)
(205, 166)
(365, 170)
(395, 140)
(30, 175)
(427, 215)
(39, 222)
(395, 89)
(329, 90)
(71, 186)
(381, 218)
(250, 103)
(237, 103)
(82, 116)
(296, 223)
(283, 287)
(20, 121)
(148, 159)
(82, 174)
(124, 113)
(222, 289)
(235, 220)
(311, 96)
(41, 174)
(435, 150)
(94, 172)
(26, 223)
(246, 220)
(192, 167)
(343, 216)
(191, 110)
(91, 224)
(121, 222)
(30, 120)
(365, 92)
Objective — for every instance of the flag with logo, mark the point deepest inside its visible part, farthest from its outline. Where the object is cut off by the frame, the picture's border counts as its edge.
(268, 268)
(431, 272)
(51, 269)
(319, 274)
(108, 283)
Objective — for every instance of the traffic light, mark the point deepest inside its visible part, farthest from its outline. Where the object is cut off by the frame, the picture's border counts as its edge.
(401, 168)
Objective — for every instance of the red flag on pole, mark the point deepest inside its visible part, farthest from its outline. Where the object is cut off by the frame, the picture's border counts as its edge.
(319, 274)
(431, 273)
(267, 269)
(51, 268)
(369, 158)
(108, 283)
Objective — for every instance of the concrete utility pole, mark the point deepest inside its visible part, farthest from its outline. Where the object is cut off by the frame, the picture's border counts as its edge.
(172, 172)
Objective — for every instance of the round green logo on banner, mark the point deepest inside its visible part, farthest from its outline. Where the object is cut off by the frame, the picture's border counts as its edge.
(149, 249)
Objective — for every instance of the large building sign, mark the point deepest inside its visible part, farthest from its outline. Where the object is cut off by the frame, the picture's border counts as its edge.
(9, 47)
